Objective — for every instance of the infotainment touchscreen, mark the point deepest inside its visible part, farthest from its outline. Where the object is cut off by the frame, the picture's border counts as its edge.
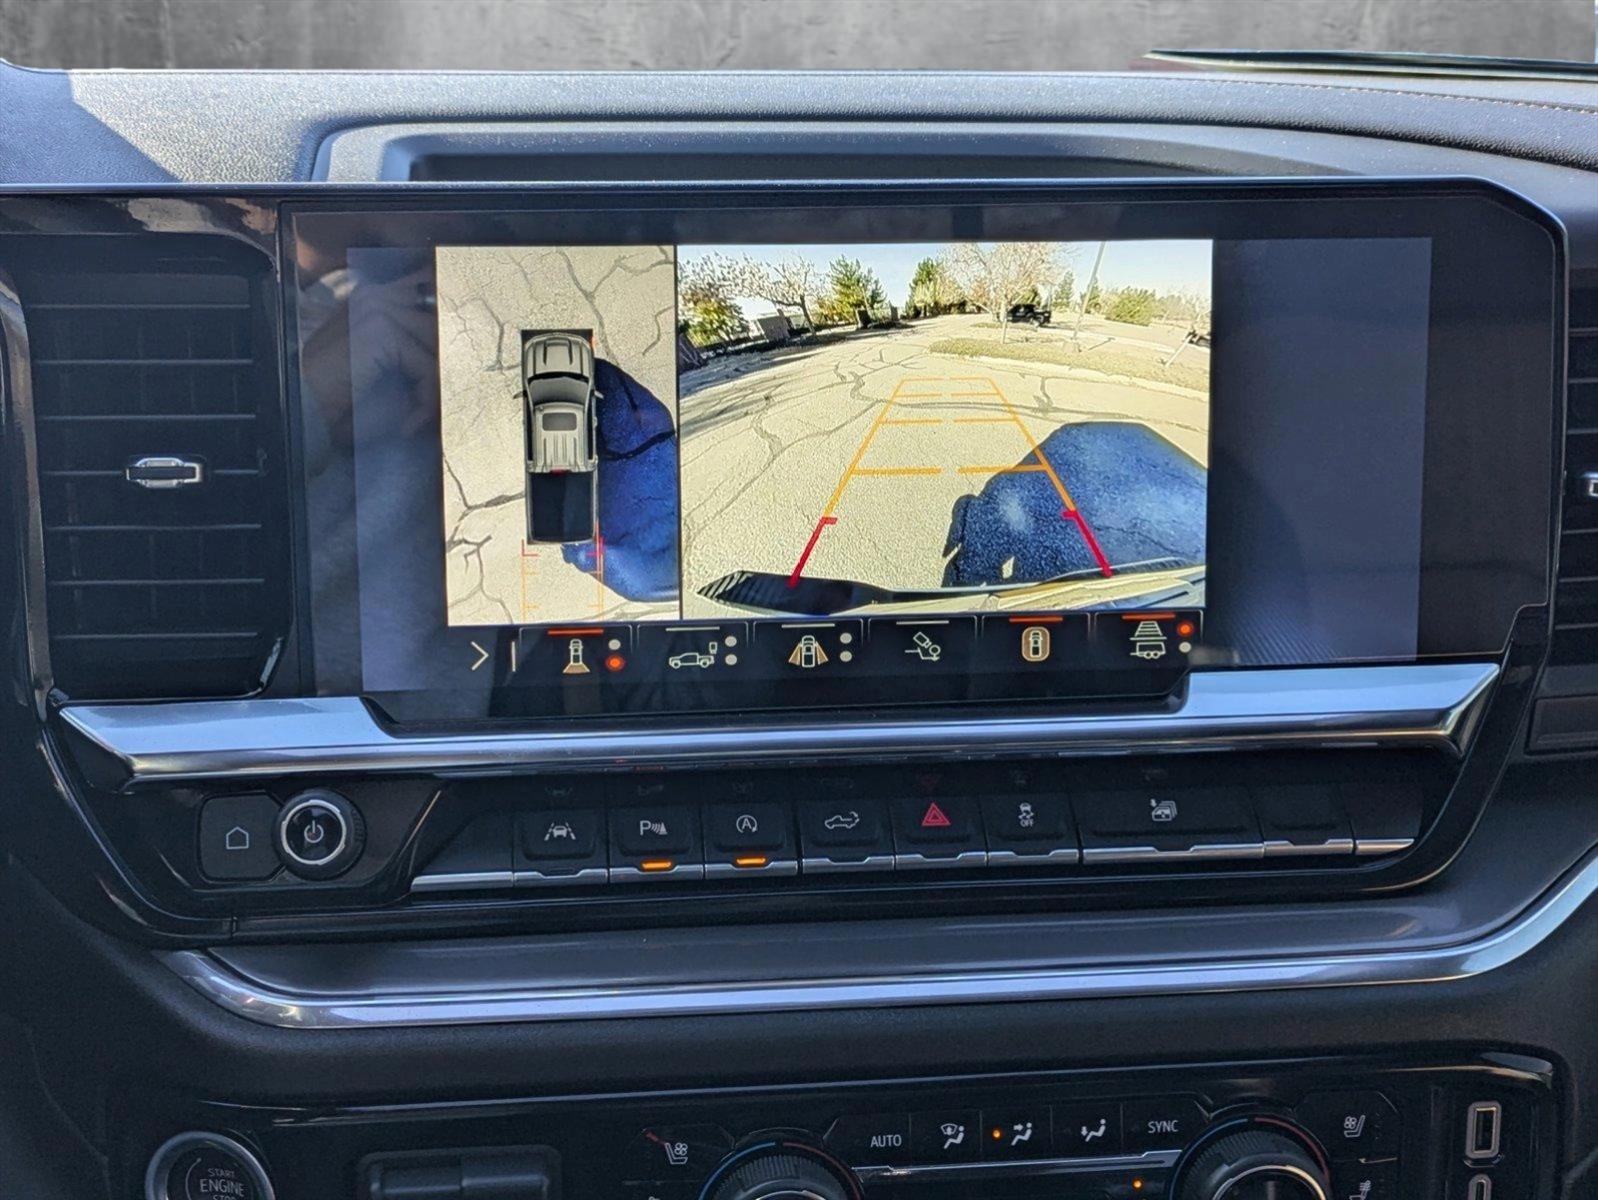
(615, 457)
(718, 434)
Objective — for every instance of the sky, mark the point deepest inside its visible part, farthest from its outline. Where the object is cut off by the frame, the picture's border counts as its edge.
(1164, 266)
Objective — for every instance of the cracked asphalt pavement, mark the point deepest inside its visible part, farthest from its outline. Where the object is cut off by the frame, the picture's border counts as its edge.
(887, 439)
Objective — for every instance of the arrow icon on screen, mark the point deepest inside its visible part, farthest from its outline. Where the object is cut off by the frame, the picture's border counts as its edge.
(482, 656)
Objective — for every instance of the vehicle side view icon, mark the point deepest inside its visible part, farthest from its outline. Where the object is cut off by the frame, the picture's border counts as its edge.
(846, 820)
(693, 658)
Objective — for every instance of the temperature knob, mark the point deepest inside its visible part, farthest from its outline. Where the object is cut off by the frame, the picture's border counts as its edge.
(1256, 1164)
(784, 1171)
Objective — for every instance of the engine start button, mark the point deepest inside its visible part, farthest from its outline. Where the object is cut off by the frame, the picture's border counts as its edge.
(205, 1166)
(213, 1174)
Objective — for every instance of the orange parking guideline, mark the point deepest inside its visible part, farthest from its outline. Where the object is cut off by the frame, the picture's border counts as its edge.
(1037, 451)
(1018, 469)
(865, 442)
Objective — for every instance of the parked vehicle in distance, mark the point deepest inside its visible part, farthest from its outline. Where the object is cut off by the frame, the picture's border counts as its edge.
(1030, 314)
(561, 418)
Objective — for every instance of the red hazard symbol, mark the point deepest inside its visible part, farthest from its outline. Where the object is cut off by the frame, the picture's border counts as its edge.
(934, 817)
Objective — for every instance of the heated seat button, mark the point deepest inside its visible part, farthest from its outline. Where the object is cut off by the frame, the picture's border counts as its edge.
(1160, 1124)
(945, 1135)
(667, 1153)
(873, 1139)
(236, 838)
(1369, 1180)
(1351, 1124)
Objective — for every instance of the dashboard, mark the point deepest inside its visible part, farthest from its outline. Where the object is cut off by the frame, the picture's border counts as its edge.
(789, 655)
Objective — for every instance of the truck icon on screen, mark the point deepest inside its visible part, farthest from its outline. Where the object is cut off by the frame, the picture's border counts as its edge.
(559, 400)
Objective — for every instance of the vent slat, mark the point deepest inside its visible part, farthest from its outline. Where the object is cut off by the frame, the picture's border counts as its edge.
(1575, 640)
(147, 351)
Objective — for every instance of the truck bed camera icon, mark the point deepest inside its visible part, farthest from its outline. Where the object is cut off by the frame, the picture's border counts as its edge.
(1148, 641)
(561, 415)
(840, 820)
(924, 648)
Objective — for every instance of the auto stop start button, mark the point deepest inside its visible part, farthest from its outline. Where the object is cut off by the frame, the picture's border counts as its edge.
(213, 1174)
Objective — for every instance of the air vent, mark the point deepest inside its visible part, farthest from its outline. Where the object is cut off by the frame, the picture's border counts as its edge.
(155, 399)
(1576, 598)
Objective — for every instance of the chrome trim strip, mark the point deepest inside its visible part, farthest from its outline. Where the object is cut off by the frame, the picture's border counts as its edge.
(933, 862)
(526, 877)
(447, 881)
(1281, 848)
(1382, 845)
(775, 866)
(1428, 704)
(306, 1010)
(1115, 854)
(833, 866)
(676, 871)
(1062, 857)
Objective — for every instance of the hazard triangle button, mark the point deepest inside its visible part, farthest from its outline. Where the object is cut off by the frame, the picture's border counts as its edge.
(935, 817)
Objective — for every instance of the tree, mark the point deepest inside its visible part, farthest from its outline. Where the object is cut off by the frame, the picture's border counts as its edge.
(710, 315)
(932, 292)
(1133, 306)
(1064, 289)
(994, 274)
(851, 286)
(790, 281)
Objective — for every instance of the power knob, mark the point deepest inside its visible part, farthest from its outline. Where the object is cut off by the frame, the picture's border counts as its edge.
(783, 1171)
(1255, 1163)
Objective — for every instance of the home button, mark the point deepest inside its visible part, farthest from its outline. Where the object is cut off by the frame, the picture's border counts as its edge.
(236, 838)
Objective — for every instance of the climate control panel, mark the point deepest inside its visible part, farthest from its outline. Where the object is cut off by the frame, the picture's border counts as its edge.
(1304, 1130)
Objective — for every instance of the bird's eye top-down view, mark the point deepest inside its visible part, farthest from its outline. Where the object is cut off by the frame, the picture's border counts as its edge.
(798, 599)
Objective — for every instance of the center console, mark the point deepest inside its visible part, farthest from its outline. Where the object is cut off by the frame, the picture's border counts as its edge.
(510, 607)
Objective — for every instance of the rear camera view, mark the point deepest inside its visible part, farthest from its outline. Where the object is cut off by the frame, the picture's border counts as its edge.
(635, 433)
(932, 428)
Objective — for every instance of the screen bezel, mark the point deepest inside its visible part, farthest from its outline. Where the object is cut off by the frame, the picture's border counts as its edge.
(1492, 401)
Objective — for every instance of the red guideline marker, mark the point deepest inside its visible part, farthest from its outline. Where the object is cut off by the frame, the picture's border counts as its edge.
(815, 536)
(1075, 515)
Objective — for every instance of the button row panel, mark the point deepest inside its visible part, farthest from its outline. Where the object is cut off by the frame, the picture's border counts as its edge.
(639, 839)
